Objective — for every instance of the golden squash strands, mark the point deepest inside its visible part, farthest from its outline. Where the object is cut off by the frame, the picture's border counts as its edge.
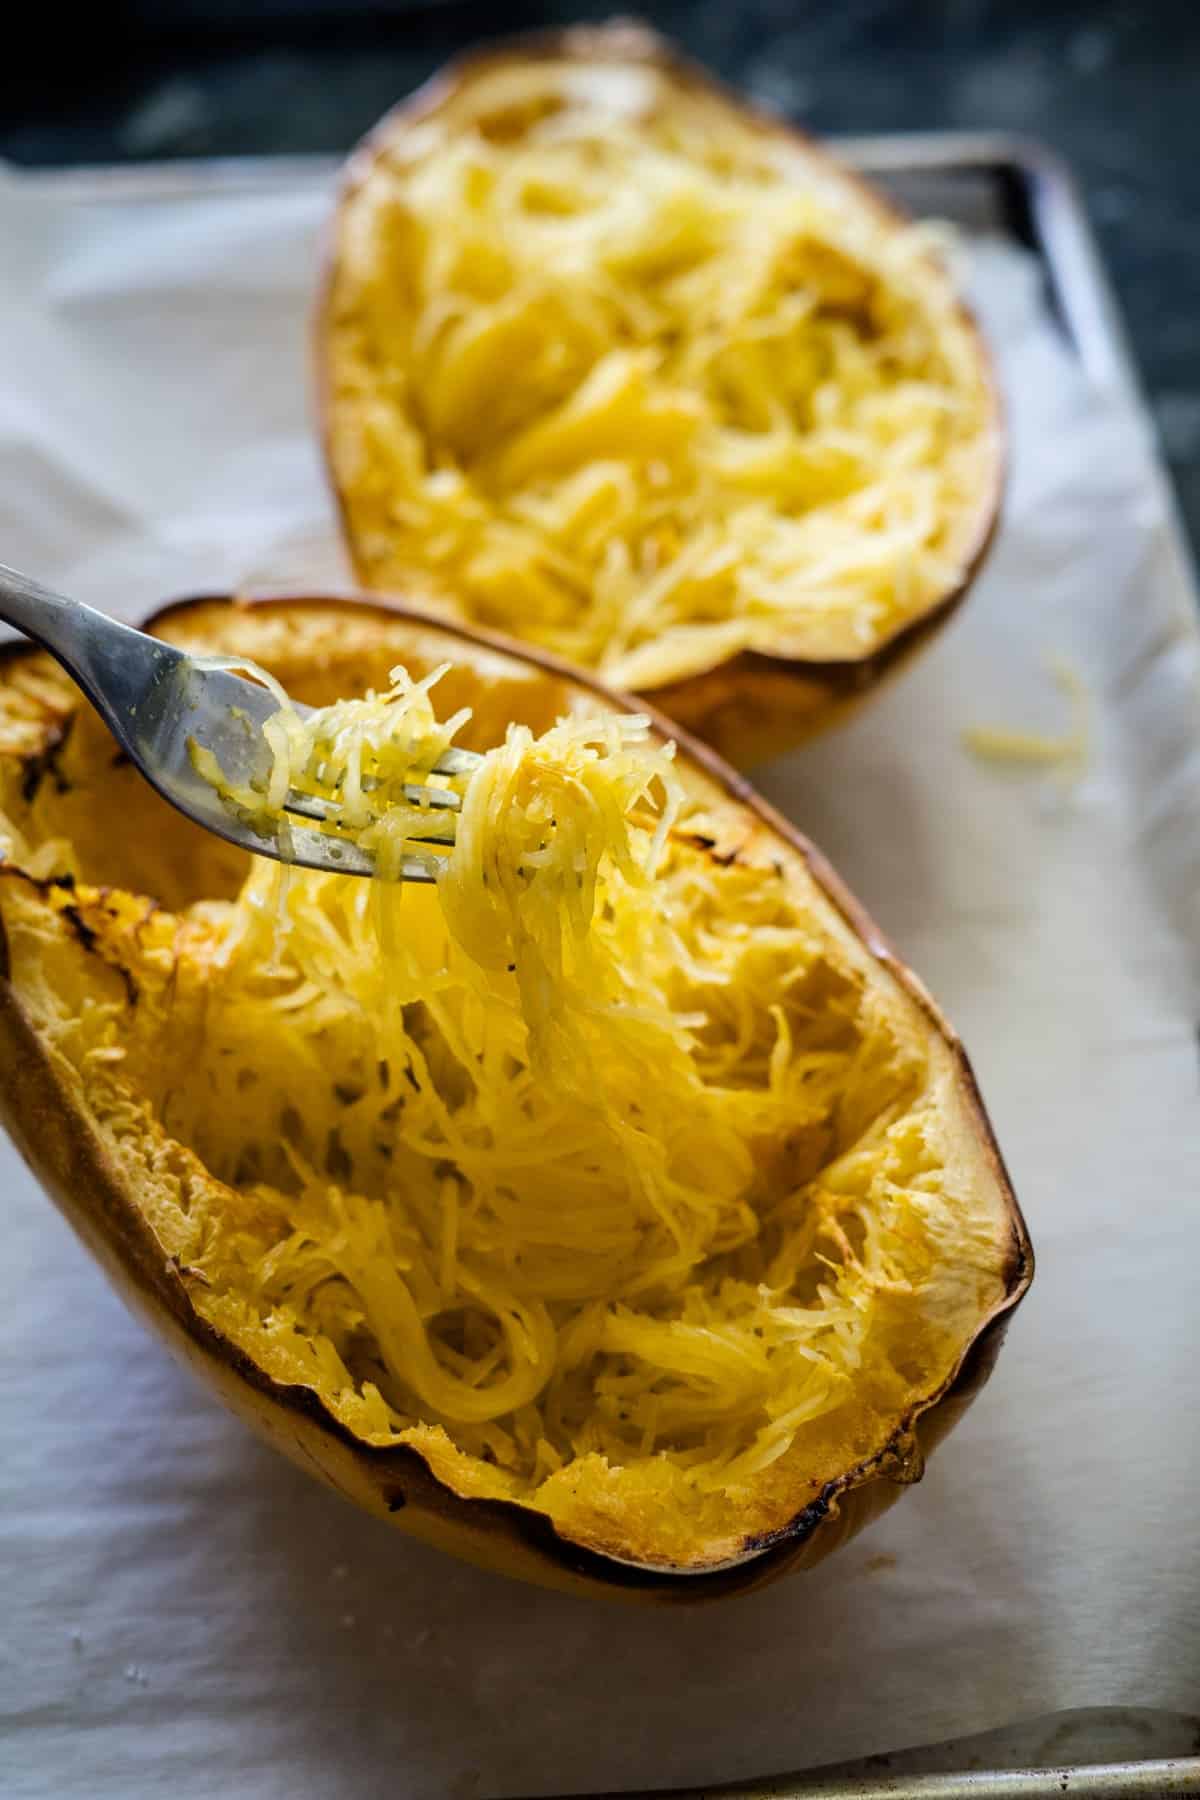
(613, 364)
(647, 1250)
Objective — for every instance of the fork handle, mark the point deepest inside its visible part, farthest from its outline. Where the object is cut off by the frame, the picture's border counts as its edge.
(56, 623)
(96, 651)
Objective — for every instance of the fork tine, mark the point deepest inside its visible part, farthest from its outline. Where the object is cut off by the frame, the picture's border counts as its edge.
(339, 856)
(447, 799)
(309, 806)
(416, 793)
(430, 825)
(317, 850)
(457, 762)
(452, 762)
(421, 799)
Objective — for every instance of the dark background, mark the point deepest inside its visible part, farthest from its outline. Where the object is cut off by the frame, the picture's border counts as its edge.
(1112, 84)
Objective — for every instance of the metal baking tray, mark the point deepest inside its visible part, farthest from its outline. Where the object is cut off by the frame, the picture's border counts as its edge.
(1017, 189)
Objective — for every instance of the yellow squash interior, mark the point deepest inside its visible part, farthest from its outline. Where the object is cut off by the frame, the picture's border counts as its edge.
(612, 367)
(310, 1160)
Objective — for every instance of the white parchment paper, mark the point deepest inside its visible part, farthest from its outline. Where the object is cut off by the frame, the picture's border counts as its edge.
(185, 1613)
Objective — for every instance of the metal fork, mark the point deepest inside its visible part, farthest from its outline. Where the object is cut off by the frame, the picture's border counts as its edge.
(158, 702)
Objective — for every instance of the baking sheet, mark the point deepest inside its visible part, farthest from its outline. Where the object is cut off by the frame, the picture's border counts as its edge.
(183, 1609)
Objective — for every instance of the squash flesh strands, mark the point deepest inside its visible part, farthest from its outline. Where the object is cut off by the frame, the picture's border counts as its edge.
(661, 1217)
(749, 414)
(598, 1184)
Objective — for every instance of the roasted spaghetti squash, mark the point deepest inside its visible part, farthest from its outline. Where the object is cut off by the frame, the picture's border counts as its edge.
(614, 365)
(614, 1209)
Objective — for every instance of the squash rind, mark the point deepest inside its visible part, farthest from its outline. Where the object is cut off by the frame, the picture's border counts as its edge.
(47, 1119)
(754, 703)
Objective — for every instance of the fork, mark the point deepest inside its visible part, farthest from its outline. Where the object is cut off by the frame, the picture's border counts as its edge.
(159, 703)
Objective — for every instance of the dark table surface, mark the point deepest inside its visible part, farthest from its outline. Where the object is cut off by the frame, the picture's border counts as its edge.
(1113, 85)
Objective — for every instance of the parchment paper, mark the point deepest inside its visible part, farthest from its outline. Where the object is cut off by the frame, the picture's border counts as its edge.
(185, 1613)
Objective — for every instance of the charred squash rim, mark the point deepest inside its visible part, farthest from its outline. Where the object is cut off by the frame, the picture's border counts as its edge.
(65, 1153)
(751, 676)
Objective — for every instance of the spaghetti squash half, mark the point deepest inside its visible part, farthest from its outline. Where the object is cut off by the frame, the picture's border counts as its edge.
(617, 366)
(615, 1209)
